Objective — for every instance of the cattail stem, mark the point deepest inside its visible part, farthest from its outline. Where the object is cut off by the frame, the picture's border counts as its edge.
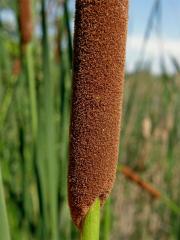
(106, 223)
(91, 224)
(50, 164)
(26, 33)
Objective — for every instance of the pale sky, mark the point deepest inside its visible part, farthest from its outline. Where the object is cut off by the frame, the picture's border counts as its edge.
(168, 44)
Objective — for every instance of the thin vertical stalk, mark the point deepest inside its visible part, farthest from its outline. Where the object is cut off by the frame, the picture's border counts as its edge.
(64, 110)
(35, 150)
(4, 226)
(25, 20)
(91, 225)
(64, 113)
(106, 224)
(68, 27)
(49, 137)
(32, 88)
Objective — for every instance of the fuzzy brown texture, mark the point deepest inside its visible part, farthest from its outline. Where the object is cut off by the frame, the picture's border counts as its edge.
(98, 76)
(129, 173)
(25, 21)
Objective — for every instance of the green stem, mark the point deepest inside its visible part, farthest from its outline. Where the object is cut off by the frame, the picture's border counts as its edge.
(91, 225)
(32, 88)
(4, 226)
(106, 223)
(50, 160)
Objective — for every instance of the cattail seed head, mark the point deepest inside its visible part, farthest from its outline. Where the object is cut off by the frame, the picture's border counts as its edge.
(98, 75)
(25, 21)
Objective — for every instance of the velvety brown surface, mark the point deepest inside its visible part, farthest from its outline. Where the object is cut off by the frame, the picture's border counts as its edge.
(99, 57)
(25, 21)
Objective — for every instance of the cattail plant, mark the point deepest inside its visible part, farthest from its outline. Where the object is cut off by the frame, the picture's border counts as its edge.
(98, 76)
(25, 21)
(26, 34)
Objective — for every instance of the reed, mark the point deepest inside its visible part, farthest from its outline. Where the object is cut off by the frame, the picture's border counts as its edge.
(64, 110)
(25, 20)
(98, 75)
(48, 166)
(26, 35)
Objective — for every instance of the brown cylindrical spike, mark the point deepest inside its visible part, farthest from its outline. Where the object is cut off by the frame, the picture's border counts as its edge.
(98, 75)
(25, 21)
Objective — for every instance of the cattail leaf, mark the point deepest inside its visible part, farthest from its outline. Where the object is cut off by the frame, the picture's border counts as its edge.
(4, 226)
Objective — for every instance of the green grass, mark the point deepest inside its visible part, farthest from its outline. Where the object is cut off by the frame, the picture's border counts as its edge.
(4, 226)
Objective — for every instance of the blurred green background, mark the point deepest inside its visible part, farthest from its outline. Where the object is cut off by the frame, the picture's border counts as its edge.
(35, 100)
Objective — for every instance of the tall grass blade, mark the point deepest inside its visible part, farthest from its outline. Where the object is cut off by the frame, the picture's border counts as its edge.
(49, 134)
(32, 88)
(4, 226)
